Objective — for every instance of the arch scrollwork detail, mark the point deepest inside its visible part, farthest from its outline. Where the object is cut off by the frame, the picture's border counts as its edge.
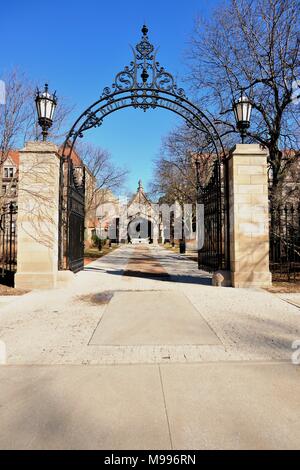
(144, 84)
(164, 81)
(124, 80)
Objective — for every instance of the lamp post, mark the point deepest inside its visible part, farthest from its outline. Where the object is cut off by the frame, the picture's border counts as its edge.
(172, 228)
(242, 112)
(45, 106)
(182, 242)
(198, 195)
(100, 232)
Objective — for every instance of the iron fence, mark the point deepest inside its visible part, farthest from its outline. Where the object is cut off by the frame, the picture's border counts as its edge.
(285, 242)
(8, 243)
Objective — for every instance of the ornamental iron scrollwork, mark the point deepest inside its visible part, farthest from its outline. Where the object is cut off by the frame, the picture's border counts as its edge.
(144, 72)
(143, 84)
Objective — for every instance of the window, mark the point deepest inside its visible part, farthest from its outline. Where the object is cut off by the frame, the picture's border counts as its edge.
(8, 172)
(3, 189)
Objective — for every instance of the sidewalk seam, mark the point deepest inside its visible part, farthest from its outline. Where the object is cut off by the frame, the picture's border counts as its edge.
(165, 405)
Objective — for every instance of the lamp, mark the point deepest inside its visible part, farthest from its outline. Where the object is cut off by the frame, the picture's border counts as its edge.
(242, 113)
(45, 106)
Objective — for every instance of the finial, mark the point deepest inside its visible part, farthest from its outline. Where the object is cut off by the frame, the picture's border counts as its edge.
(145, 30)
(144, 75)
(140, 188)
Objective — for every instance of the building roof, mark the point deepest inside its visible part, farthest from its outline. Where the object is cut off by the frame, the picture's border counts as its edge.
(74, 155)
(13, 156)
(140, 196)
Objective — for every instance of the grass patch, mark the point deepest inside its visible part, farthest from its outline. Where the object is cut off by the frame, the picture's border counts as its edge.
(169, 246)
(90, 254)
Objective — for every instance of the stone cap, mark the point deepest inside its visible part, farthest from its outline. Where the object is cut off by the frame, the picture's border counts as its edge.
(249, 149)
(40, 147)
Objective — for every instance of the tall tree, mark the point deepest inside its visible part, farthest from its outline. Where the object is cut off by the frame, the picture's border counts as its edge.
(253, 45)
(15, 112)
(174, 168)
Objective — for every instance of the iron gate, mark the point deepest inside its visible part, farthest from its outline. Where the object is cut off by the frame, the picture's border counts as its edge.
(72, 210)
(8, 243)
(214, 196)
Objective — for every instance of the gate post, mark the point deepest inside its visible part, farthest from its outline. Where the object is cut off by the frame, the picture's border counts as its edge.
(249, 216)
(38, 211)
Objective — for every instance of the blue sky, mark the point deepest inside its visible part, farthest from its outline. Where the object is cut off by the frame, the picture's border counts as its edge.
(78, 47)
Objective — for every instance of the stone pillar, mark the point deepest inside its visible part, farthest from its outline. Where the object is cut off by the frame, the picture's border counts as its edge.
(155, 230)
(38, 211)
(249, 216)
(162, 234)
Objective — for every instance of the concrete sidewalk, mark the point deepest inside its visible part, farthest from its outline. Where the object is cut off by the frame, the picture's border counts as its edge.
(146, 318)
(191, 406)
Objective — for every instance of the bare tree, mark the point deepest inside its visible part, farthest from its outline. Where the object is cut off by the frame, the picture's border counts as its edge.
(253, 45)
(174, 172)
(18, 119)
(15, 113)
(105, 176)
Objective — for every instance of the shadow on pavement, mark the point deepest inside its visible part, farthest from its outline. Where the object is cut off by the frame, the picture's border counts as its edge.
(183, 278)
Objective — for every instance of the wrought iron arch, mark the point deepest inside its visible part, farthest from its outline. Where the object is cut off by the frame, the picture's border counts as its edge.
(144, 84)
